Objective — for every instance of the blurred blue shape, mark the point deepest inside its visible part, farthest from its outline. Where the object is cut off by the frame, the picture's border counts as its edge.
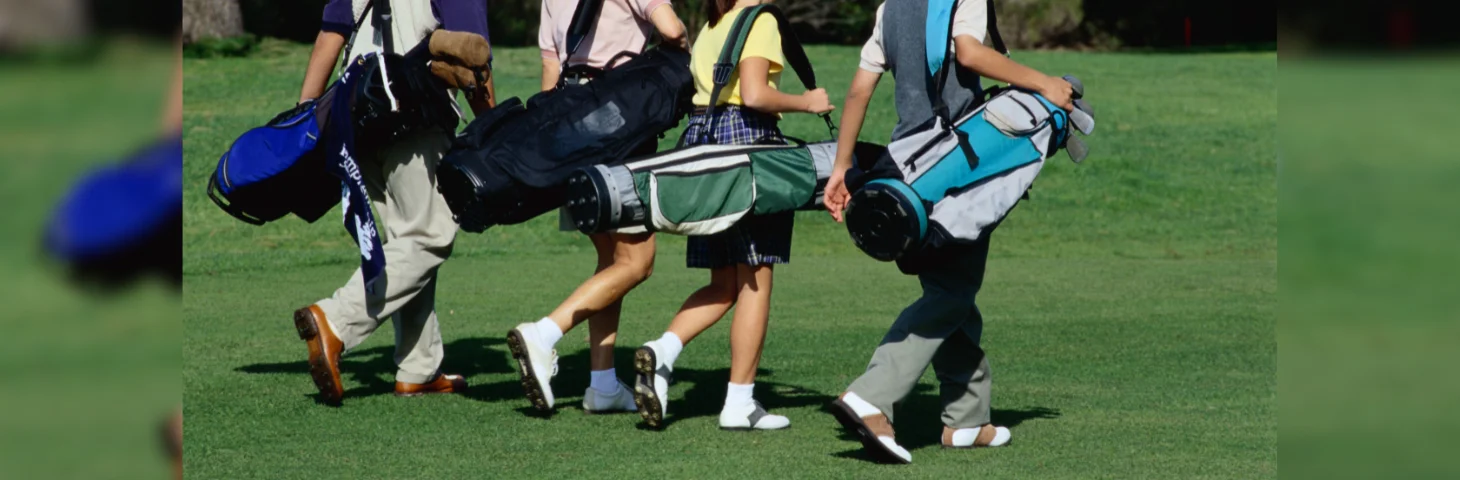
(123, 219)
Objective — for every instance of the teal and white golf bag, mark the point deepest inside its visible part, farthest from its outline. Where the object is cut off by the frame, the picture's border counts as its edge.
(953, 180)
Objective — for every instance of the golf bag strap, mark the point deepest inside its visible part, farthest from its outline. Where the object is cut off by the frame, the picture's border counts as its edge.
(381, 20)
(350, 45)
(994, 37)
(940, 107)
(585, 18)
(791, 47)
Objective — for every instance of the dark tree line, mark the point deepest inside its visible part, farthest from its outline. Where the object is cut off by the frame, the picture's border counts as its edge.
(1025, 23)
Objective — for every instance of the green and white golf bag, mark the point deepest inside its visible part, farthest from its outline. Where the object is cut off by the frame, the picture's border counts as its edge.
(703, 189)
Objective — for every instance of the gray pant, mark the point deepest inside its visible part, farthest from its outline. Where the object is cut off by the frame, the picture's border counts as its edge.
(418, 232)
(942, 328)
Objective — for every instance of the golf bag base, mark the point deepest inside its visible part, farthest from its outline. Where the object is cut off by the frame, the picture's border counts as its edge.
(886, 219)
(615, 187)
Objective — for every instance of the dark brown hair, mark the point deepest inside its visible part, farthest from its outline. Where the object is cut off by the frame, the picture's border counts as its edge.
(716, 9)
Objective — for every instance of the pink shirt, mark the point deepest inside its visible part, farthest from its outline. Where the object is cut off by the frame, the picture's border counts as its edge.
(623, 25)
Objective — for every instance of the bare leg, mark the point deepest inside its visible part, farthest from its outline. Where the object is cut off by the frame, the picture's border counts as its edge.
(600, 297)
(603, 326)
(748, 328)
(705, 307)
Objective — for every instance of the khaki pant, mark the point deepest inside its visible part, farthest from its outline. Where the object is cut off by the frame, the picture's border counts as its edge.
(418, 231)
(942, 328)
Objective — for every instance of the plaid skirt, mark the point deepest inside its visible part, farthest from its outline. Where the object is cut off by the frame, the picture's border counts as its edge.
(755, 240)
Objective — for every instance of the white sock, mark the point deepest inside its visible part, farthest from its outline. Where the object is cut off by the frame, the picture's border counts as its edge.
(604, 381)
(669, 348)
(548, 332)
(739, 395)
(859, 406)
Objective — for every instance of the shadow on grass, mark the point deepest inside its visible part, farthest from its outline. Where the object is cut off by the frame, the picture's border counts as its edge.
(704, 397)
(374, 368)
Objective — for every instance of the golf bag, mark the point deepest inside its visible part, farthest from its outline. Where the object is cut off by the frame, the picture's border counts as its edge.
(704, 189)
(511, 163)
(276, 169)
(951, 181)
(279, 168)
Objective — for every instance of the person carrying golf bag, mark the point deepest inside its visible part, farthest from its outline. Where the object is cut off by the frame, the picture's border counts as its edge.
(397, 178)
(740, 259)
(580, 39)
(944, 326)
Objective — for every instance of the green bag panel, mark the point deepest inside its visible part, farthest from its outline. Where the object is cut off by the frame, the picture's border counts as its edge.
(785, 179)
(682, 198)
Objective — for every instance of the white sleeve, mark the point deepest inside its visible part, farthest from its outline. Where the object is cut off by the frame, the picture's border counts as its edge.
(971, 17)
(874, 57)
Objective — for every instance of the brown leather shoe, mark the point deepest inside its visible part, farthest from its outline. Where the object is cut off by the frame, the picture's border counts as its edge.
(324, 352)
(442, 384)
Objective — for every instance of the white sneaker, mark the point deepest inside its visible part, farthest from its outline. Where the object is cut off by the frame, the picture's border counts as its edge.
(751, 417)
(621, 400)
(537, 364)
(985, 436)
(651, 385)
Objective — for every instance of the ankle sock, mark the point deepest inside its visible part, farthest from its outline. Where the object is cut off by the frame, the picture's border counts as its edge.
(604, 381)
(669, 347)
(737, 395)
(548, 332)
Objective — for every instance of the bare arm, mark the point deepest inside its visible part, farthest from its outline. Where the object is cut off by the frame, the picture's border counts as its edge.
(669, 26)
(322, 58)
(756, 92)
(858, 97)
(551, 70)
(990, 63)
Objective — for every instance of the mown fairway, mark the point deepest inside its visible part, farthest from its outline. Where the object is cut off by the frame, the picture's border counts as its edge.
(1130, 309)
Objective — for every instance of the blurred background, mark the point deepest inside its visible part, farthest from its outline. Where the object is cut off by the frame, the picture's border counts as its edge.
(1367, 330)
(90, 372)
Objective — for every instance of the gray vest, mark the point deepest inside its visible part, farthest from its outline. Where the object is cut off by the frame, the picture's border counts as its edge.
(904, 25)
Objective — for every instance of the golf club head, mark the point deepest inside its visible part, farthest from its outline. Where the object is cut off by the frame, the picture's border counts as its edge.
(1079, 87)
(1082, 117)
(1077, 149)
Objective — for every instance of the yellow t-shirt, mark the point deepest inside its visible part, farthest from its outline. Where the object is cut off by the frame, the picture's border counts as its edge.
(764, 41)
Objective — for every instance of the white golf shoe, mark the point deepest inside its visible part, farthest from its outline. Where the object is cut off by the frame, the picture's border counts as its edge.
(535, 362)
(751, 416)
(651, 385)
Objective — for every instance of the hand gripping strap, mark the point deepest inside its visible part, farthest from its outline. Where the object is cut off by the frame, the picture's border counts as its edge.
(735, 45)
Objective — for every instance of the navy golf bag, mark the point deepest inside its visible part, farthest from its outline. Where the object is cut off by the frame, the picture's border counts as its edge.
(511, 164)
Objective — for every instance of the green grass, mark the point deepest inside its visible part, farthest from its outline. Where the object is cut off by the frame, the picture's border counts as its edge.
(1130, 309)
(85, 375)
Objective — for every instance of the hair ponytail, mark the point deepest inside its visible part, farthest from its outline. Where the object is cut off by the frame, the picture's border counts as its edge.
(717, 9)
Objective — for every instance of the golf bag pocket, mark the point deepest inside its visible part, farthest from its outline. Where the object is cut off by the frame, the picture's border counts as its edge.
(700, 198)
(276, 169)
